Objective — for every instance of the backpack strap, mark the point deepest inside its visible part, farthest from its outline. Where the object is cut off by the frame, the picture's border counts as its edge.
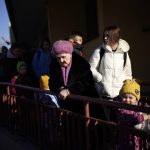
(125, 58)
(102, 51)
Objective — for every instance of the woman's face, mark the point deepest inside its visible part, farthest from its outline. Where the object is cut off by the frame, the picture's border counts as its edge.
(129, 99)
(108, 42)
(64, 59)
(113, 45)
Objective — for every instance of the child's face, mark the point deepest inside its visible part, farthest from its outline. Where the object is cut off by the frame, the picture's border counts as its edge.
(129, 99)
(78, 40)
(23, 70)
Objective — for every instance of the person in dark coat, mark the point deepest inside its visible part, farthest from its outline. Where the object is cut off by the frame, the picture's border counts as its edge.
(70, 74)
(22, 78)
(76, 38)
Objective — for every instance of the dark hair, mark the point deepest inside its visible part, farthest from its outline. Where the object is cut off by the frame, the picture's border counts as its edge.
(112, 33)
(16, 45)
(75, 33)
(4, 49)
(45, 40)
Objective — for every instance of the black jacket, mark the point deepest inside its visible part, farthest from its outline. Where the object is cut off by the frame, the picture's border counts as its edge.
(80, 78)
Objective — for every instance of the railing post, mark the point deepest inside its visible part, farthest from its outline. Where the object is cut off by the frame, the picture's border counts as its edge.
(38, 117)
(87, 115)
(87, 112)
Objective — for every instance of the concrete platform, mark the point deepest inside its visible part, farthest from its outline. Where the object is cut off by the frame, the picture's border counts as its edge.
(9, 141)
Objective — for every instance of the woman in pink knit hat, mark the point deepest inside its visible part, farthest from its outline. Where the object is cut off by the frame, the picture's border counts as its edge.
(70, 74)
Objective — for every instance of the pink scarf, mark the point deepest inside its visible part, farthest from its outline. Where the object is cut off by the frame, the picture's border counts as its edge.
(65, 72)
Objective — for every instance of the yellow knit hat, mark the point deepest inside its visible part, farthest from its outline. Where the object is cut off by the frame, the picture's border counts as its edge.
(44, 82)
(132, 87)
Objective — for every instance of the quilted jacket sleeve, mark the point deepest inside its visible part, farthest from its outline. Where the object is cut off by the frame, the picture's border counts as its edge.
(94, 62)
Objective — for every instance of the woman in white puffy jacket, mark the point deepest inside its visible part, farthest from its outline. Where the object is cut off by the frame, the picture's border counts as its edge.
(113, 67)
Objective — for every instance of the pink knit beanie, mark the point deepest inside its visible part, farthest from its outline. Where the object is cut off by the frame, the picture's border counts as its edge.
(62, 46)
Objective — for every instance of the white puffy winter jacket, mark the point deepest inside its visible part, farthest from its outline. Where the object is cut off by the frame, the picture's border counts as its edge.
(111, 72)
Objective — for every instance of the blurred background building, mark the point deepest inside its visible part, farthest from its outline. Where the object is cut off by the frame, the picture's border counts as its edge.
(31, 20)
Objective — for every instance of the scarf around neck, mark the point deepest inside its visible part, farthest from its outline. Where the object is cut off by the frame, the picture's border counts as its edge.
(65, 72)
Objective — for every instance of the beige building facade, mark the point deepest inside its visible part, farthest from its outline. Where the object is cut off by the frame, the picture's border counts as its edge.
(32, 20)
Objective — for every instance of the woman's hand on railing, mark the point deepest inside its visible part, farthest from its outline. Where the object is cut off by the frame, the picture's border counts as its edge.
(63, 94)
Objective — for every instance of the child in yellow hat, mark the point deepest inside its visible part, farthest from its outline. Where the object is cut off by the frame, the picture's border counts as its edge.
(44, 82)
(47, 98)
(48, 122)
(130, 94)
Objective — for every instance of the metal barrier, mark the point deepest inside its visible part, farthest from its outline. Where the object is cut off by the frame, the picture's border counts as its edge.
(61, 129)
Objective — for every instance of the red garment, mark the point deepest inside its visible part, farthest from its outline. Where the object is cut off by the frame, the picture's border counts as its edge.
(12, 89)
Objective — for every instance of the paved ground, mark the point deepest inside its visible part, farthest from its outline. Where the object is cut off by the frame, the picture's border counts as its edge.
(9, 141)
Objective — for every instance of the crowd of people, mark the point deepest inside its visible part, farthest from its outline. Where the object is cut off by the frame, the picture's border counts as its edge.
(62, 68)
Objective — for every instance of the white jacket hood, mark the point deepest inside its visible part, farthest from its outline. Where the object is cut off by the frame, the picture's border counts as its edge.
(122, 47)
